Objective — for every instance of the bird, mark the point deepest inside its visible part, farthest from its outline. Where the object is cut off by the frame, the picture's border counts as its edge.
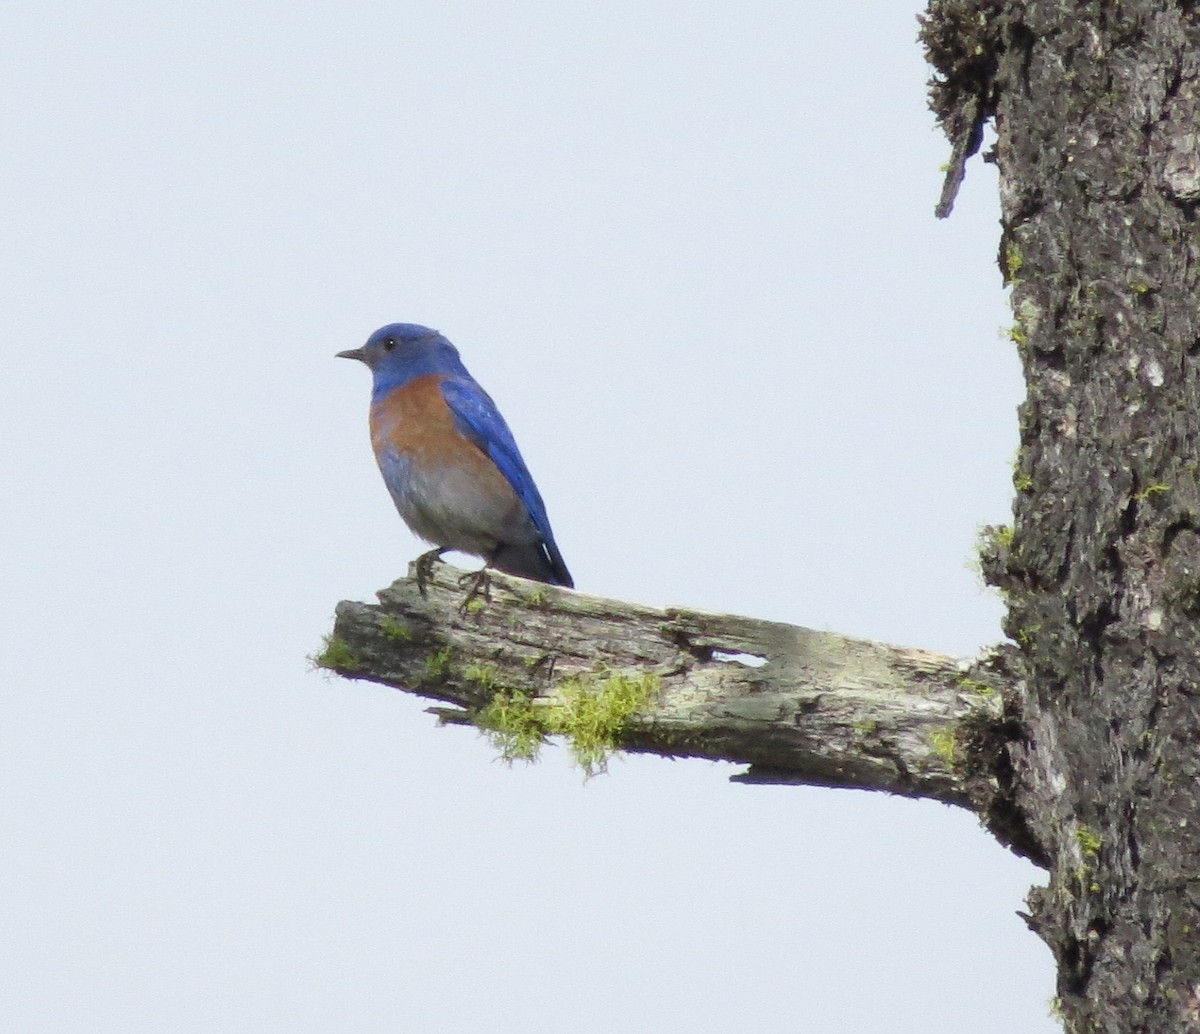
(449, 460)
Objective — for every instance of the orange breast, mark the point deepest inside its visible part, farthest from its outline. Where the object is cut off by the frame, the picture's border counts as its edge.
(415, 421)
(446, 488)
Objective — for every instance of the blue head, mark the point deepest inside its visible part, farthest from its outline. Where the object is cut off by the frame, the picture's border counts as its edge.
(401, 352)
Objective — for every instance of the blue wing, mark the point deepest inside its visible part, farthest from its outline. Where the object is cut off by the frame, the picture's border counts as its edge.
(477, 418)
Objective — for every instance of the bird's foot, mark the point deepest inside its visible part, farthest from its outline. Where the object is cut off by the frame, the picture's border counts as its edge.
(480, 583)
(425, 564)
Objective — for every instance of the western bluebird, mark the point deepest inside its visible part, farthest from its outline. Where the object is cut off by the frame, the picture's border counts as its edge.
(449, 460)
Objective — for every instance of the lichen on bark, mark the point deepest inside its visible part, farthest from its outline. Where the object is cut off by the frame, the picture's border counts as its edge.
(1095, 111)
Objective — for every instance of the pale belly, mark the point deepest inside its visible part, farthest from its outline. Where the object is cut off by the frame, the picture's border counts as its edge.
(457, 509)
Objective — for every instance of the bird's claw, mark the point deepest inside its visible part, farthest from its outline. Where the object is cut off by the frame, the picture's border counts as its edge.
(480, 585)
(425, 564)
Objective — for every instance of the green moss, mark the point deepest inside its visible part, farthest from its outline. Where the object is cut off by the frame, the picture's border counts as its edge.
(1026, 636)
(992, 540)
(1013, 261)
(978, 688)
(1089, 841)
(437, 663)
(1022, 480)
(336, 655)
(513, 726)
(485, 675)
(944, 742)
(474, 605)
(1156, 488)
(867, 727)
(1084, 879)
(589, 711)
(1026, 320)
(592, 713)
(393, 629)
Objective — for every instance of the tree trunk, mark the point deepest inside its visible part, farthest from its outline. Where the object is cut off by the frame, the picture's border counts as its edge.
(1095, 108)
(1079, 747)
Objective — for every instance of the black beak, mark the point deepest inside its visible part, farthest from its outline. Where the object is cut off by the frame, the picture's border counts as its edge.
(353, 353)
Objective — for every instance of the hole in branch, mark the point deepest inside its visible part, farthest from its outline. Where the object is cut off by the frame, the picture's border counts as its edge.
(748, 660)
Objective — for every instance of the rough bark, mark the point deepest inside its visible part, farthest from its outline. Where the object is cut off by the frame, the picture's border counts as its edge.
(797, 705)
(1095, 106)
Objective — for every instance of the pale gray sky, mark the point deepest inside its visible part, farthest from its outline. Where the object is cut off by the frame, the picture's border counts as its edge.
(690, 251)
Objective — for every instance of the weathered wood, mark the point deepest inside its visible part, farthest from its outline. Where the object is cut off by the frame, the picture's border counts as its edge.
(797, 705)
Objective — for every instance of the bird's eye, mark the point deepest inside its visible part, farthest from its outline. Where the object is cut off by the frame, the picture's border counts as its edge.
(389, 343)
